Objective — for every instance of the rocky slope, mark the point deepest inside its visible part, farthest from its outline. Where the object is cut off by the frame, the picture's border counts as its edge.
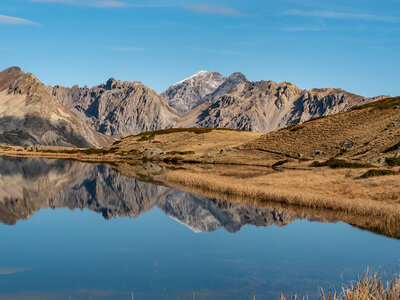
(369, 133)
(118, 108)
(266, 106)
(29, 114)
(189, 93)
(28, 185)
(225, 88)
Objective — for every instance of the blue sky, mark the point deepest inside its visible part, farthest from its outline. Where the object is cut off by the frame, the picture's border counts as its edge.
(354, 45)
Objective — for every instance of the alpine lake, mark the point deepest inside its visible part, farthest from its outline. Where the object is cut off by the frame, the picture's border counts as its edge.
(73, 230)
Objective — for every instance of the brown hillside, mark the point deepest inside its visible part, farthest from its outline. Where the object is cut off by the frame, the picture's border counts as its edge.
(366, 133)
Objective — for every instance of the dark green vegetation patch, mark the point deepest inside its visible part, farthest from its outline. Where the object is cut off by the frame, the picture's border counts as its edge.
(393, 148)
(281, 162)
(181, 152)
(377, 172)
(82, 151)
(392, 161)
(293, 128)
(150, 135)
(335, 163)
(117, 142)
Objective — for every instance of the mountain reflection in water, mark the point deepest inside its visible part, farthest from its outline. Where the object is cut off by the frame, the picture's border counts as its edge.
(28, 185)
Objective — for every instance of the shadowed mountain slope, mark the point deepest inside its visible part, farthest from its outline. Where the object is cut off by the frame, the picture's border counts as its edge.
(118, 108)
(29, 114)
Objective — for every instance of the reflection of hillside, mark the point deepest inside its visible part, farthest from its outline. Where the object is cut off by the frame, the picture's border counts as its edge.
(27, 185)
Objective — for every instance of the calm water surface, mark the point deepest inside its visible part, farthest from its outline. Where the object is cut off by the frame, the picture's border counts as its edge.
(79, 231)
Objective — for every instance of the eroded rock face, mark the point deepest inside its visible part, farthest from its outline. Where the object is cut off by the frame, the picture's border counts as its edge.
(28, 185)
(266, 106)
(189, 93)
(118, 108)
(29, 114)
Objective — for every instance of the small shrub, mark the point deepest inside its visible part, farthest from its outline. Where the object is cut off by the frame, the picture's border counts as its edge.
(181, 152)
(377, 172)
(335, 163)
(145, 138)
(117, 142)
(393, 148)
(281, 162)
(294, 128)
(393, 161)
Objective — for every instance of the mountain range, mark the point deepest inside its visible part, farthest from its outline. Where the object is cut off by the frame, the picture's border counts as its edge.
(86, 117)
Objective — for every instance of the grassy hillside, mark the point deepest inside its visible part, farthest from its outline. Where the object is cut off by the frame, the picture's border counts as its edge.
(368, 133)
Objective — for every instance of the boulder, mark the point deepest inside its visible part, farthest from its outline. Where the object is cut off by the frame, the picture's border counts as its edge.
(148, 152)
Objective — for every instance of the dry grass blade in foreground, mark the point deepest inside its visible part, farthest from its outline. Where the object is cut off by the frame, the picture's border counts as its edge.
(368, 287)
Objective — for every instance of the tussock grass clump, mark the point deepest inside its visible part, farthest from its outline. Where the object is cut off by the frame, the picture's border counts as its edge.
(368, 287)
(335, 163)
(377, 172)
(392, 161)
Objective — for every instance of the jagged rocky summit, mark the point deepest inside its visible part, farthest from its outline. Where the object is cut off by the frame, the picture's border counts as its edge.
(118, 108)
(29, 114)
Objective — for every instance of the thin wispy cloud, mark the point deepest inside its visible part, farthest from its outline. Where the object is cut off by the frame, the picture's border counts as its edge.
(16, 21)
(111, 4)
(94, 3)
(300, 29)
(126, 49)
(8, 271)
(213, 9)
(341, 15)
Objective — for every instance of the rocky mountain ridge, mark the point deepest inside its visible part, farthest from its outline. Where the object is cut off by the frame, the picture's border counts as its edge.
(267, 106)
(31, 115)
(120, 109)
(206, 99)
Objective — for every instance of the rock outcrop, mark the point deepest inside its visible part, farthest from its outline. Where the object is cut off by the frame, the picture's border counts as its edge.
(118, 108)
(29, 114)
(267, 106)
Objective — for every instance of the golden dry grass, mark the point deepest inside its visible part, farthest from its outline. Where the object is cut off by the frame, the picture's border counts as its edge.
(369, 286)
(323, 189)
(363, 134)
